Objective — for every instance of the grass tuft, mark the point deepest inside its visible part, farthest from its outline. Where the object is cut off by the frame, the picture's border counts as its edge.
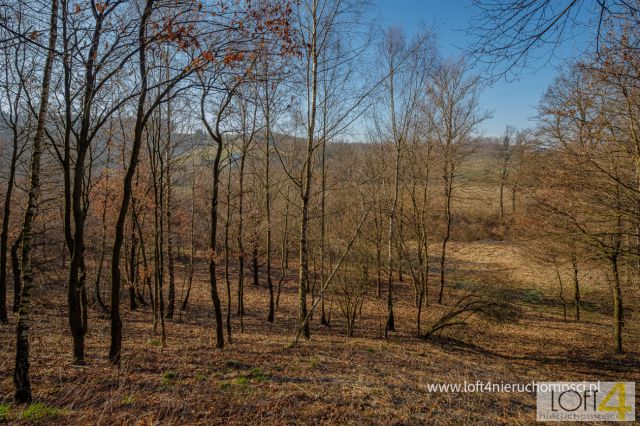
(242, 381)
(258, 375)
(314, 362)
(4, 411)
(39, 412)
(533, 296)
(168, 377)
(128, 399)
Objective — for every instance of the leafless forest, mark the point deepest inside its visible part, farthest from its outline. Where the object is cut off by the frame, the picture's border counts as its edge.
(283, 212)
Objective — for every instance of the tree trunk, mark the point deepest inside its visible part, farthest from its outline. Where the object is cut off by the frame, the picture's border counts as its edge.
(227, 257)
(561, 293)
(21, 372)
(185, 300)
(4, 238)
(284, 249)
(255, 266)
(77, 275)
(267, 178)
(312, 78)
(501, 200)
(447, 234)
(116, 322)
(212, 246)
(323, 195)
(15, 268)
(213, 234)
(172, 282)
(241, 311)
(618, 319)
(133, 261)
(576, 285)
(103, 240)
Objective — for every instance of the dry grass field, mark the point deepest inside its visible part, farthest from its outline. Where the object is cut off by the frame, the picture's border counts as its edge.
(331, 379)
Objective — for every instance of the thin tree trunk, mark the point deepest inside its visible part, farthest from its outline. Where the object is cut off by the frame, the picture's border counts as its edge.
(447, 234)
(271, 314)
(185, 301)
(617, 305)
(212, 245)
(312, 78)
(15, 267)
(255, 267)
(501, 199)
(133, 261)
(21, 371)
(240, 236)
(4, 238)
(213, 235)
(284, 252)
(227, 278)
(145, 263)
(576, 285)
(172, 286)
(323, 200)
(103, 240)
(157, 173)
(116, 322)
(379, 227)
(561, 293)
(76, 291)
(390, 325)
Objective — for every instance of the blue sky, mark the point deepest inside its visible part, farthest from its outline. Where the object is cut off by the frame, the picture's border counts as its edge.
(511, 102)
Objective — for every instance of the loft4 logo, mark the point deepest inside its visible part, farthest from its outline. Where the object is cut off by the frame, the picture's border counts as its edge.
(585, 401)
(623, 406)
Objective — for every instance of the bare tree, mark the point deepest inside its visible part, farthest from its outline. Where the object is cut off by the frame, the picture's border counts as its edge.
(505, 155)
(408, 66)
(21, 372)
(452, 112)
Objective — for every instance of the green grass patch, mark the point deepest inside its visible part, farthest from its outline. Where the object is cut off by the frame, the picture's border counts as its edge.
(128, 399)
(4, 411)
(258, 375)
(154, 342)
(242, 381)
(532, 295)
(39, 412)
(314, 362)
(169, 377)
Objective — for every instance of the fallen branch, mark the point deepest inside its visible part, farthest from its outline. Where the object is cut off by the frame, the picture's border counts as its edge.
(464, 308)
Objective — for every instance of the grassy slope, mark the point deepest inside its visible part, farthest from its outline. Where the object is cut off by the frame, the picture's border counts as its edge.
(330, 379)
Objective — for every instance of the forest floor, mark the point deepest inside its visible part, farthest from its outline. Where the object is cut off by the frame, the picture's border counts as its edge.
(330, 379)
